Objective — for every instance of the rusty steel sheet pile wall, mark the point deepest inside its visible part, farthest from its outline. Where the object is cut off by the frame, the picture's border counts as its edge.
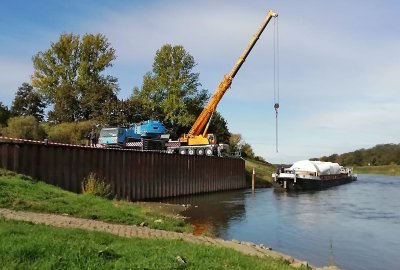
(133, 175)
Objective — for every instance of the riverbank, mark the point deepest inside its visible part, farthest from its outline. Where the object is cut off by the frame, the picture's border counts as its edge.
(21, 192)
(391, 170)
(27, 245)
(21, 239)
(263, 173)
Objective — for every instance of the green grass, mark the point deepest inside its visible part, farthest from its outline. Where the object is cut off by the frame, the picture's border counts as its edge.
(393, 170)
(28, 246)
(21, 192)
(263, 172)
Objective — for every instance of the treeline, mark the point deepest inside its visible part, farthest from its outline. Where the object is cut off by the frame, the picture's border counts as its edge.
(70, 92)
(381, 154)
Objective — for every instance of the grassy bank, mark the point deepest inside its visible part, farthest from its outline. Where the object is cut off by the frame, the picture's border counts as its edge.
(393, 170)
(20, 192)
(263, 172)
(29, 246)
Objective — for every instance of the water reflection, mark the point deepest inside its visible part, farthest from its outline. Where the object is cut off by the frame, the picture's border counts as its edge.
(356, 225)
(213, 212)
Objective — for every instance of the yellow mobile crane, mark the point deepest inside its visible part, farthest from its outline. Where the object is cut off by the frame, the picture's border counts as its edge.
(197, 141)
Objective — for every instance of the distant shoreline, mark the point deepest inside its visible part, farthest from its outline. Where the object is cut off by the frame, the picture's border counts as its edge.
(391, 170)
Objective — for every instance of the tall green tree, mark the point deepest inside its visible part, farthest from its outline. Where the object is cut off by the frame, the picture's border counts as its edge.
(70, 75)
(4, 114)
(27, 101)
(170, 92)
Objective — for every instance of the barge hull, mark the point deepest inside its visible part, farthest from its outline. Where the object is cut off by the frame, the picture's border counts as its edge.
(310, 184)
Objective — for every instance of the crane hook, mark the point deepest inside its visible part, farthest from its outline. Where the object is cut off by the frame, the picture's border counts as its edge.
(276, 106)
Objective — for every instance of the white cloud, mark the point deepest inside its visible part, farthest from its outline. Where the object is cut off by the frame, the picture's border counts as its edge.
(359, 118)
(202, 29)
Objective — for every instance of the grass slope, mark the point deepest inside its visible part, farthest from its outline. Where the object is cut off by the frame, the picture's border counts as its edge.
(393, 170)
(20, 192)
(29, 246)
(263, 172)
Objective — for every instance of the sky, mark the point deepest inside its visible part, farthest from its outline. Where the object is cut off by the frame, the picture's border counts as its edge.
(339, 62)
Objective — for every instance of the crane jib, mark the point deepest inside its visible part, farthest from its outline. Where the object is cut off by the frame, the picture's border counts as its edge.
(200, 126)
(251, 44)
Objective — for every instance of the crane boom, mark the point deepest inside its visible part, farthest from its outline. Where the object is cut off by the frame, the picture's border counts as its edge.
(200, 126)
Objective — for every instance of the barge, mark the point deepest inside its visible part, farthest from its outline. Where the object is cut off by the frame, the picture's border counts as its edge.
(312, 175)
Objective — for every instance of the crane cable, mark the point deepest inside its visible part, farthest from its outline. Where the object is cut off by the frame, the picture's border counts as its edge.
(276, 78)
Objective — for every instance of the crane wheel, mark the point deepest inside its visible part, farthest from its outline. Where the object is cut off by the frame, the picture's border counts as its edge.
(200, 152)
(191, 151)
(182, 151)
(209, 152)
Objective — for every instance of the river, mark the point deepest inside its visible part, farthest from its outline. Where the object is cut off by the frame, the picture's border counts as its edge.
(353, 226)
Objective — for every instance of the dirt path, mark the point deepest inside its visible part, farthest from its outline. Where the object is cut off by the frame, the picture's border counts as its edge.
(141, 232)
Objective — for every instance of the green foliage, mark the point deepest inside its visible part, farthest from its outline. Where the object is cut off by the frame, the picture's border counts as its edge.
(117, 113)
(70, 75)
(26, 127)
(31, 246)
(260, 159)
(247, 151)
(72, 133)
(219, 126)
(27, 101)
(20, 192)
(237, 143)
(66, 105)
(4, 114)
(170, 92)
(381, 154)
(95, 186)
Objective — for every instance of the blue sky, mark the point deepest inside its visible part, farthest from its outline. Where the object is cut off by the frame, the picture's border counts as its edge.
(339, 62)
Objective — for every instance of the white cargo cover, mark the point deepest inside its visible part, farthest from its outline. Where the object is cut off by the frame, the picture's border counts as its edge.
(320, 167)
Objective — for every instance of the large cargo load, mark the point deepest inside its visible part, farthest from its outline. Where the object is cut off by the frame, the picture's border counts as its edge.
(312, 175)
(318, 167)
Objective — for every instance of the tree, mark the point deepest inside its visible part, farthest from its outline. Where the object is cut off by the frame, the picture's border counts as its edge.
(236, 143)
(117, 113)
(4, 114)
(247, 151)
(70, 75)
(27, 101)
(219, 126)
(170, 92)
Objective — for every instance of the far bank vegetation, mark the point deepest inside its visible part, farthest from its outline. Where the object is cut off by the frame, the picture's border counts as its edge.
(379, 155)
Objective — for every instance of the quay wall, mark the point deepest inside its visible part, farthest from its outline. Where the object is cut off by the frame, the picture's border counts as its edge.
(133, 175)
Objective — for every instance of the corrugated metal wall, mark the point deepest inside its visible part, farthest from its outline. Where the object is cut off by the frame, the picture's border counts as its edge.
(133, 175)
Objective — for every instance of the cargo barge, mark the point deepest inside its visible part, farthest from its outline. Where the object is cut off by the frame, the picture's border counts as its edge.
(312, 175)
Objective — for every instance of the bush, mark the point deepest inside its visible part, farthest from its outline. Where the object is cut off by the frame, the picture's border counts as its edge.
(95, 186)
(26, 127)
(260, 159)
(73, 133)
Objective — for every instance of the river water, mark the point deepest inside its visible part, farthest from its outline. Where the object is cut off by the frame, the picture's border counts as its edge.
(353, 226)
